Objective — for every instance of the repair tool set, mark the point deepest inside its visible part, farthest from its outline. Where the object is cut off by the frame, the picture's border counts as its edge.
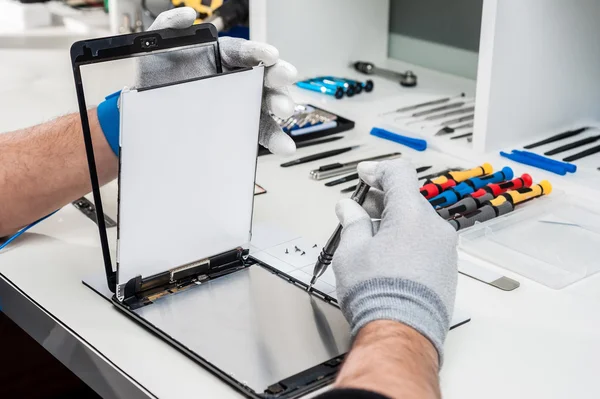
(568, 146)
(336, 87)
(309, 122)
(477, 195)
(449, 116)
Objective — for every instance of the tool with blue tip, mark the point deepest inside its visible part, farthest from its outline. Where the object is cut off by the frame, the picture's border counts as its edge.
(455, 194)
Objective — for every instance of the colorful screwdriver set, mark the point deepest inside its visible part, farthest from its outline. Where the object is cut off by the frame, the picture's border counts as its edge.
(336, 87)
(468, 197)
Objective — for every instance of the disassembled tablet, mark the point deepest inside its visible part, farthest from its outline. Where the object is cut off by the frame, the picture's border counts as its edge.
(187, 168)
(196, 139)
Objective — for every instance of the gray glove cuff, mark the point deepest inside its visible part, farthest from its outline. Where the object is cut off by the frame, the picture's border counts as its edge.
(400, 300)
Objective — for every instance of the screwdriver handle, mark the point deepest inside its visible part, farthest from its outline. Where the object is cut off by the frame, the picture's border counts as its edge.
(496, 189)
(523, 194)
(469, 186)
(462, 175)
(463, 206)
(483, 214)
(431, 190)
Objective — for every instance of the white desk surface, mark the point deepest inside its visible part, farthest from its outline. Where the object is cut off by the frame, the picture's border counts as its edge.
(534, 342)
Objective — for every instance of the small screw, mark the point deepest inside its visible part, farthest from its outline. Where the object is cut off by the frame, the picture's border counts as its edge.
(286, 251)
(302, 253)
(297, 249)
(314, 246)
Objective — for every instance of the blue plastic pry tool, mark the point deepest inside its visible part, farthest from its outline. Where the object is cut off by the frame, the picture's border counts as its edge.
(531, 161)
(415, 144)
(571, 168)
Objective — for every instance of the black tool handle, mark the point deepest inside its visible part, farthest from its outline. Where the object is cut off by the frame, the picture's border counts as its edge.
(481, 215)
(575, 144)
(331, 166)
(364, 67)
(557, 137)
(341, 180)
(583, 154)
(316, 157)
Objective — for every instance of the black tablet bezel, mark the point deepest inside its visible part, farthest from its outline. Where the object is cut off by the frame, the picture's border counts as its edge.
(120, 47)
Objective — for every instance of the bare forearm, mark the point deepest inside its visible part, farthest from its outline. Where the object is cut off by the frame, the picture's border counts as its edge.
(394, 360)
(44, 167)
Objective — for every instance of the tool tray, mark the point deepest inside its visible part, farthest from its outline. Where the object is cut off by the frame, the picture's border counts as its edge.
(552, 240)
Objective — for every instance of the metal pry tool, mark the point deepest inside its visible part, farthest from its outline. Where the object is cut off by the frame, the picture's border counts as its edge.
(328, 251)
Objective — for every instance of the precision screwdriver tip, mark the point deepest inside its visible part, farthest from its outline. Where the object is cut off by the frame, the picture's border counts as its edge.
(313, 280)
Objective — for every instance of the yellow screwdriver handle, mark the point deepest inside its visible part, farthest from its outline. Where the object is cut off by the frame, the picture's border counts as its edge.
(462, 175)
(524, 194)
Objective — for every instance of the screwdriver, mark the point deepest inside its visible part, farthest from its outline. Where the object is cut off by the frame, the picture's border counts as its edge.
(462, 175)
(472, 203)
(502, 205)
(431, 190)
(524, 181)
(328, 251)
(438, 174)
(425, 104)
(453, 195)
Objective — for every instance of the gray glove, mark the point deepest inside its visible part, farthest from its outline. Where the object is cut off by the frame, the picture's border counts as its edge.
(191, 63)
(406, 269)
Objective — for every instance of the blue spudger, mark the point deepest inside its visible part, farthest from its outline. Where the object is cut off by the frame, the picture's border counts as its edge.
(415, 144)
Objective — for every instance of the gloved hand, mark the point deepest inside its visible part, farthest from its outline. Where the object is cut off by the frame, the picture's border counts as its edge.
(406, 270)
(178, 65)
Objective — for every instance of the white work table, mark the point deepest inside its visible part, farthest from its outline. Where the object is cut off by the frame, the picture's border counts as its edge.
(534, 342)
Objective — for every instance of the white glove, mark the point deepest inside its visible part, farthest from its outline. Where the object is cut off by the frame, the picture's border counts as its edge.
(180, 65)
(406, 271)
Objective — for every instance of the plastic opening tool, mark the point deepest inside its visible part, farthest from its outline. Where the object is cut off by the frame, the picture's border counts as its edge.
(557, 137)
(415, 144)
(328, 251)
(539, 161)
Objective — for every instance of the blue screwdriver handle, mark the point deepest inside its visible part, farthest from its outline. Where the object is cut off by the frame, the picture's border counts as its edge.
(520, 158)
(469, 186)
(569, 167)
(415, 144)
(475, 183)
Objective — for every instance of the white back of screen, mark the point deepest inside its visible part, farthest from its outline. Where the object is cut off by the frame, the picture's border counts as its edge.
(188, 162)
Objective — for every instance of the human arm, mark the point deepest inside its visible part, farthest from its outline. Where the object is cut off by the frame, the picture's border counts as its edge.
(44, 167)
(396, 284)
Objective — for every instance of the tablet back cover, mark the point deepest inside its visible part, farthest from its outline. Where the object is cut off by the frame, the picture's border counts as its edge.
(187, 169)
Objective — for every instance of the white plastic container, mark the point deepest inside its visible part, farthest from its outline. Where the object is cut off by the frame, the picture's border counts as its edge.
(554, 241)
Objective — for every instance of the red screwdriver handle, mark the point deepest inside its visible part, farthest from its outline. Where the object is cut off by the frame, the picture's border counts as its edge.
(496, 189)
(431, 190)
